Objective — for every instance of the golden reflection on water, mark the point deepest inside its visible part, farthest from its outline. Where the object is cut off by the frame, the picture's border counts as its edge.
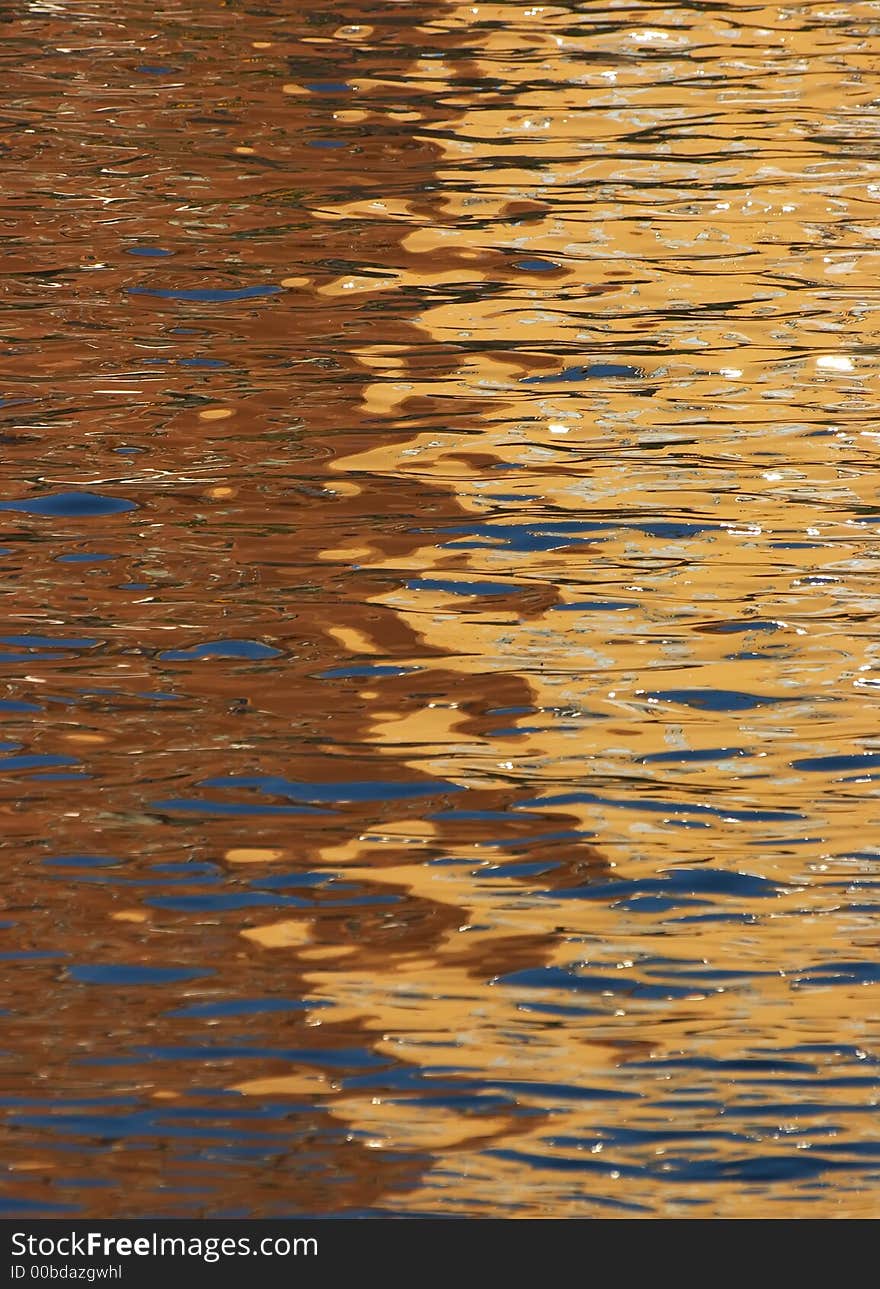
(483, 722)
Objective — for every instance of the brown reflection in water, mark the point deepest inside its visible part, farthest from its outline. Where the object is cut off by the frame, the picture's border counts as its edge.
(185, 138)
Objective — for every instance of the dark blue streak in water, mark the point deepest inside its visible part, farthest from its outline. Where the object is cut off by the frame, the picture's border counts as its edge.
(658, 806)
(557, 1009)
(536, 266)
(740, 1065)
(119, 974)
(659, 903)
(206, 296)
(82, 861)
(408, 1078)
(462, 588)
(758, 1168)
(328, 87)
(677, 882)
(595, 606)
(558, 978)
(780, 1111)
(593, 371)
(835, 1052)
(552, 534)
(225, 903)
(368, 669)
(858, 761)
(32, 955)
(252, 650)
(745, 625)
(36, 1208)
(279, 881)
(34, 762)
(71, 505)
(333, 792)
(706, 754)
(714, 700)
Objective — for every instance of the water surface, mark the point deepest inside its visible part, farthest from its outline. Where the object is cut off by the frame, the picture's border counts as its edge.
(439, 664)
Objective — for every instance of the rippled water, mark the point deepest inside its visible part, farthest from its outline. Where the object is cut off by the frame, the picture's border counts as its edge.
(439, 657)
